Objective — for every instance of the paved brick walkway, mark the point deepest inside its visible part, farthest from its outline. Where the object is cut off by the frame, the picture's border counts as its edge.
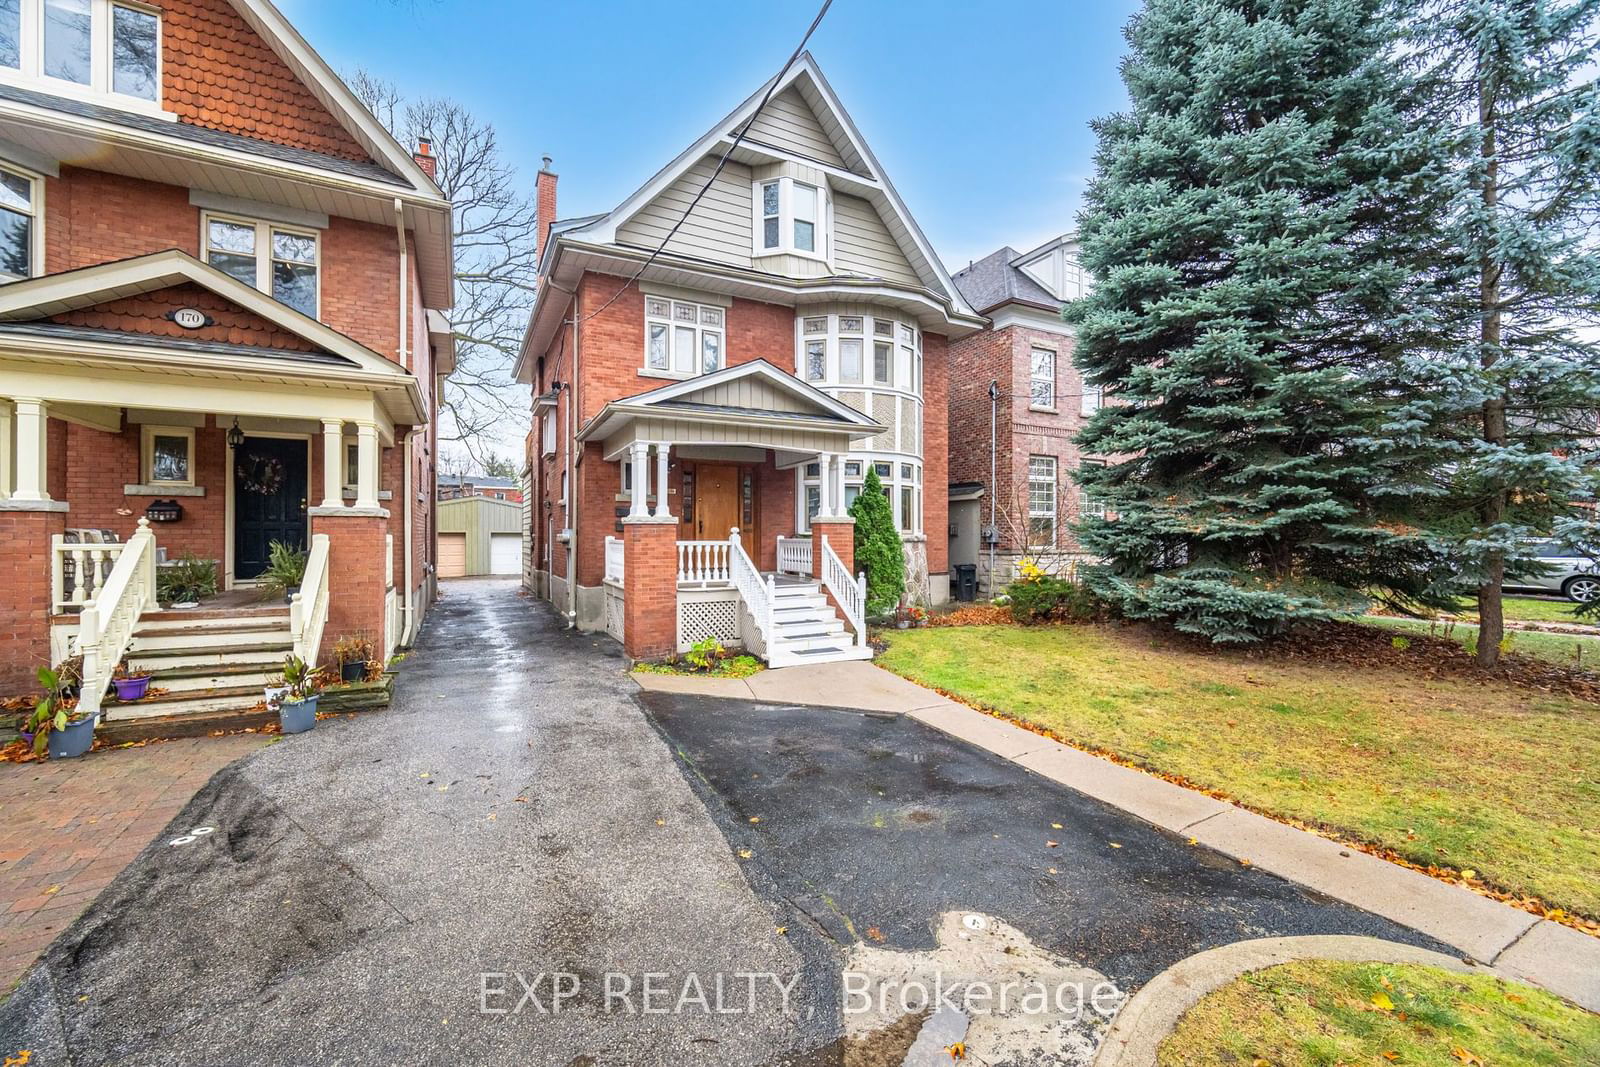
(70, 825)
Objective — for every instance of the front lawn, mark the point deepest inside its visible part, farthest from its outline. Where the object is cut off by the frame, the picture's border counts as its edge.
(1315, 1012)
(1533, 609)
(1565, 650)
(1444, 768)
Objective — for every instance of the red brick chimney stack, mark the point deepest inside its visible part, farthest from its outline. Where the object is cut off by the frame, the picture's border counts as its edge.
(425, 157)
(545, 186)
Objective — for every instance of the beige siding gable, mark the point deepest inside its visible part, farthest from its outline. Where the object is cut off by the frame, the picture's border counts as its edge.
(719, 227)
(757, 394)
(862, 243)
(787, 122)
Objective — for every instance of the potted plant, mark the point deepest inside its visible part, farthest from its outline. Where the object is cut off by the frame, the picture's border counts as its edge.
(131, 684)
(185, 582)
(56, 724)
(285, 570)
(352, 652)
(297, 710)
(70, 673)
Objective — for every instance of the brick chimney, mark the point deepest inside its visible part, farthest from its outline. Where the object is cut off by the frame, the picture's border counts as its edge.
(545, 185)
(425, 157)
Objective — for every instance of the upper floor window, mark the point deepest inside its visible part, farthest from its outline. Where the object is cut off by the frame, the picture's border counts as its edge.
(1093, 397)
(1042, 380)
(682, 339)
(98, 46)
(266, 256)
(19, 223)
(790, 218)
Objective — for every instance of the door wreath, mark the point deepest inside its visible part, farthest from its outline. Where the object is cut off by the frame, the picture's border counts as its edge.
(262, 475)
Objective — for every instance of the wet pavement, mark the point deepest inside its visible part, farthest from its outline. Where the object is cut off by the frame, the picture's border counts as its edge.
(875, 825)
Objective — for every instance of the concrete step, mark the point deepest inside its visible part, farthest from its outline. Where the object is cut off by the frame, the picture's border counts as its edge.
(835, 653)
(194, 702)
(263, 654)
(231, 637)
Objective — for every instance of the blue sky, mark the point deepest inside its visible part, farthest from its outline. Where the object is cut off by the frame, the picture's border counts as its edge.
(979, 112)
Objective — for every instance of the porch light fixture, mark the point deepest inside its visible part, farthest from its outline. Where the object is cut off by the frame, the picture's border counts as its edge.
(235, 435)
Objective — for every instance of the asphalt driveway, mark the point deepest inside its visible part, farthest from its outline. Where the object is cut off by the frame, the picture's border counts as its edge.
(513, 813)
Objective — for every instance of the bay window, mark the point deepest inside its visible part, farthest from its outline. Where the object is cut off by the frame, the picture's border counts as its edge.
(275, 259)
(103, 48)
(901, 484)
(789, 218)
(682, 339)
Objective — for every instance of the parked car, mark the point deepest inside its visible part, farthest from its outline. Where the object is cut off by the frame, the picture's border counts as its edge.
(1567, 573)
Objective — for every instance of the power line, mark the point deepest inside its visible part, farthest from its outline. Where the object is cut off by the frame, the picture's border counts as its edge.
(738, 138)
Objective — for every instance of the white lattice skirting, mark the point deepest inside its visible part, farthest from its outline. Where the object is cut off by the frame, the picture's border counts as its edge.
(700, 618)
(614, 611)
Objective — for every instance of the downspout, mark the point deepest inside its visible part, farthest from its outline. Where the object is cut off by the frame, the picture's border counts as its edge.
(994, 530)
(407, 605)
(405, 278)
(570, 518)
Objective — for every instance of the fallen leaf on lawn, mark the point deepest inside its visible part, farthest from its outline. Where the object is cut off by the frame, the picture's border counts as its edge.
(1513, 998)
(1390, 1054)
(1382, 1002)
(745, 853)
(1465, 1057)
(1469, 873)
(1258, 1061)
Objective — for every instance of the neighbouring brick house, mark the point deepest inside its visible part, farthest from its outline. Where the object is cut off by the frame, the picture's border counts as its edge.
(220, 327)
(704, 417)
(457, 486)
(1016, 375)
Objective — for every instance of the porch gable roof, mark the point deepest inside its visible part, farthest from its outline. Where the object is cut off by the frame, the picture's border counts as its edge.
(755, 396)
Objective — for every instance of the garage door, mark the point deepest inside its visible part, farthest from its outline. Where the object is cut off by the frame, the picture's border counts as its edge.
(452, 555)
(505, 553)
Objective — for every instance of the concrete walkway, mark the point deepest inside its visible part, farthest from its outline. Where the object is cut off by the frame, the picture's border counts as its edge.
(1518, 944)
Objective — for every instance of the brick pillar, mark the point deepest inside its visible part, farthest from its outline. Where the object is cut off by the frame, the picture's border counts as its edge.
(841, 535)
(650, 587)
(357, 584)
(25, 595)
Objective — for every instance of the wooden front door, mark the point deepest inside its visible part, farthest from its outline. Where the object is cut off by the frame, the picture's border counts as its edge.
(716, 493)
(269, 500)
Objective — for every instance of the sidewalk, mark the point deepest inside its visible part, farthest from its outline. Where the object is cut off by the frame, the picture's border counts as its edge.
(72, 825)
(1519, 944)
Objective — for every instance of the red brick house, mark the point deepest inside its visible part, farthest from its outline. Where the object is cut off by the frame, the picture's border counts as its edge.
(706, 411)
(1016, 403)
(220, 327)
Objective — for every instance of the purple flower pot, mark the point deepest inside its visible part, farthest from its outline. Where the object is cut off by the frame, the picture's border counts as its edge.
(131, 688)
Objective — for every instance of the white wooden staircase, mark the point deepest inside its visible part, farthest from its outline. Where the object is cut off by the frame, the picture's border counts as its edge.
(208, 663)
(806, 628)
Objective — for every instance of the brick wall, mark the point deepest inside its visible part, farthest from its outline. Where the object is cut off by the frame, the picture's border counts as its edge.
(355, 577)
(650, 589)
(935, 451)
(217, 72)
(25, 596)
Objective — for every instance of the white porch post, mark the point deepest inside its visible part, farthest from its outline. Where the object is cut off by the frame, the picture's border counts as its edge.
(32, 419)
(824, 484)
(5, 449)
(332, 463)
(663, 511)
(641, 478)
(367, 464)
(838, 485)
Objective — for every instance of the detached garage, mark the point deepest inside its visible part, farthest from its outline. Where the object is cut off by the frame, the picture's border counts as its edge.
(479, 536)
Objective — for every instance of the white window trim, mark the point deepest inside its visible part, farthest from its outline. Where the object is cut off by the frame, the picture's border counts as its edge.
(31, 73)
(264, 229)
(549, 433)
(1054, 513)
(147, 437)
(36, 233)
(672, 325)
(893, 483)
(1033, 379)
(786, 247)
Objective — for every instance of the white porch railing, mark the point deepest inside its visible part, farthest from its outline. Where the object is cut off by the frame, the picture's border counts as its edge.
(704, 563)
(794, 556)
(308, 611)
(849, 593)
(105, 627)
(614, 558)
(79, 571)
(759, 593)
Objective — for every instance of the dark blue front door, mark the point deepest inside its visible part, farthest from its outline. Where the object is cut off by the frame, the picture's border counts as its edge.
(269, 500)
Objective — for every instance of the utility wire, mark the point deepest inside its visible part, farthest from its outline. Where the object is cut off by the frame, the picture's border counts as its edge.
(738, 138)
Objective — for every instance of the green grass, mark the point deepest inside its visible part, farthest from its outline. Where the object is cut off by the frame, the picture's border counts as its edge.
(1566, 650)
(1529, 609)
(1316, 1013)
(1446, 771)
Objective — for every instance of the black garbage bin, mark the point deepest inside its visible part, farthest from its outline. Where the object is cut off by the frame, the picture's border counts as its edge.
(966, 582)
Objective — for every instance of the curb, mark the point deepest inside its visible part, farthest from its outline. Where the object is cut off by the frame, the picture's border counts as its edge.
(1146, 1020)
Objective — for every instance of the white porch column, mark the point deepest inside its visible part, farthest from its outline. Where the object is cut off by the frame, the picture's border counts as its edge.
(367, 465)
(5, 449)
(332, 463)
(663, 511)
(824, 484)
(641, 479)
(838, 485)
(33, 419)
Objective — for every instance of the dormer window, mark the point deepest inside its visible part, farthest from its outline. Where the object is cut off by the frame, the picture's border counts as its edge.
(97, 48)
(790, 218)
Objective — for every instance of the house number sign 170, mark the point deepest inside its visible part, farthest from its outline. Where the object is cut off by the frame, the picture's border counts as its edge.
(189, 318)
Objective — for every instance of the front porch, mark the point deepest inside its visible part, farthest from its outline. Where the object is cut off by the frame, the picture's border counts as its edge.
(726, 562)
